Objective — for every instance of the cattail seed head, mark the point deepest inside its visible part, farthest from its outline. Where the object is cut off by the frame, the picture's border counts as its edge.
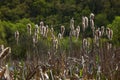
(109, 33)
(36, 28)
(29, 29)
(102, 30)
(59, 36)
(16, 34)
(41, 23)
(85, 44)
(92, 24)
(55, 43)
(46, 31)
(86, 21)
(52, 31)
(83, 27)
(72, 24)
(98, 33)
(77, 32)
(92, 16)
(35, 38)
(62, 30)
(109, 46)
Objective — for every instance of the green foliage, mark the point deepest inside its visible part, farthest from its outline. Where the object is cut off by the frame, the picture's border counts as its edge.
(115, 26)
(101, 19)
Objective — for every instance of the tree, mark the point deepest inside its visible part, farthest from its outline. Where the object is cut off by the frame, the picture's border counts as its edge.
(115, 26)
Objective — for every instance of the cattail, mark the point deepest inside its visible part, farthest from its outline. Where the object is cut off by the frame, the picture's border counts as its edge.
(46, 31)
(85, 44)
(5, 52)
(36, 28)
(83, 23)
(17, 36)
(109, 46)
(29, 29)
(83, 62)
(83, 26)
(98, 33)
(102, 30)
(92, 24)
(46, 76)
(35, 38)
(74, 32)
(109, 33)
(55, 43)
(41, 23)
(62, 30)
(59, 36)
(97, 36)
(77, 31)
(98, 72)
(72, 24)
(1, 48)
(7, 73)
(86, 22)
(52, 31)
(92, 16)
(41, 27)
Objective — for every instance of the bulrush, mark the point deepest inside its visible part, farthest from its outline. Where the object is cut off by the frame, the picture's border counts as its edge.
(46, 31)
(7, 73)
(72, 24)
(55, 43)
(36, 28)
(83, 62)
(41, 27)
(29, 28)
(83, 23)
(62, 30)
(85, 44)
(98, 33)
(109, 46)
(97, 36)
(59, 36)
(17, 36)
(92, 24)
(52, 32)
(86, 21)
(109, 33)
(35, 38)
(102, 30)
(92, 16)
(77, 32)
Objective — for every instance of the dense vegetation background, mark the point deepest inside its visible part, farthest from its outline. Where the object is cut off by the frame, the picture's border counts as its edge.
(16, 14)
